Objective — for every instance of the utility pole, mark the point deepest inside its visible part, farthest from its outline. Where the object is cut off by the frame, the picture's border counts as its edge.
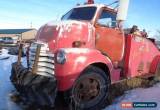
(31, 25)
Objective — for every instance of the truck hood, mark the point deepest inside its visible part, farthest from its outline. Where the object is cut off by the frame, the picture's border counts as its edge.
(62, 34)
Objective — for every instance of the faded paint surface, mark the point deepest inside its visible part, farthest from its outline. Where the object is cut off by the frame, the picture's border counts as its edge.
(111, 42)
(140, 56)
(76, 62)
(63, 34)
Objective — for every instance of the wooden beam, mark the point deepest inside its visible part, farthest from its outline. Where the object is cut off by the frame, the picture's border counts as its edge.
(35, 65)
(20, 54)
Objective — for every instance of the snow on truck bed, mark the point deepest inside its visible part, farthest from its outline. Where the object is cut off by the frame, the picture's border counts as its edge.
(151, 94)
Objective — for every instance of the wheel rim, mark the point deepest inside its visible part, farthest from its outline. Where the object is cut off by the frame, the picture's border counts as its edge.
(89, 90)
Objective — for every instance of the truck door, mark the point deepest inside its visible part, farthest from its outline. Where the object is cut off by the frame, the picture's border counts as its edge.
(109, 40)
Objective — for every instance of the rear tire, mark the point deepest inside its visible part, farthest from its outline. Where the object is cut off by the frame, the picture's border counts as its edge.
(90, 90)
(157, 73)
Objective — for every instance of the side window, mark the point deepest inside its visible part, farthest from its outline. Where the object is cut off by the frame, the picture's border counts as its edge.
(107, 19)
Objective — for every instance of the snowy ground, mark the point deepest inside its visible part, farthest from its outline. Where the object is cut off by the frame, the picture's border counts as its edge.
(5, 85)
(151, 94)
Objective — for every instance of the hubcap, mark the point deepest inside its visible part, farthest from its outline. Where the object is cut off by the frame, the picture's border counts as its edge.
(87, 89)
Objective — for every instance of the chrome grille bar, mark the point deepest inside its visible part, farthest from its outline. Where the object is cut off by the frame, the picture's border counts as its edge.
(45, 64)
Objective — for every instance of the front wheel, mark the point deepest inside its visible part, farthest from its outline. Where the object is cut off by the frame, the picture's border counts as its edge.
(90, 89)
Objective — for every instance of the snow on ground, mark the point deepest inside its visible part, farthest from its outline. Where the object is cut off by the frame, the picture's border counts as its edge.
(151, 94)
(6, 87)
(4, 54)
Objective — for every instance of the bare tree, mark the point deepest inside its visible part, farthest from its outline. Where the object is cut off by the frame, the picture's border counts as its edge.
(158, 34)
(158, 31)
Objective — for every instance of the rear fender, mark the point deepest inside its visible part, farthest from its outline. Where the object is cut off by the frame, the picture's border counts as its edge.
(77, 59)
(154, 64)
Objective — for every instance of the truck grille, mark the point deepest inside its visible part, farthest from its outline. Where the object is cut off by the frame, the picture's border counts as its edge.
(45, 65)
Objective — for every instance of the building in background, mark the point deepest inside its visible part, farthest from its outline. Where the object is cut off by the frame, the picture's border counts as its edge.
(18, 34)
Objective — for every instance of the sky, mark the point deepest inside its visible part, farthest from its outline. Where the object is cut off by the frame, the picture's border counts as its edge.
(27, 13)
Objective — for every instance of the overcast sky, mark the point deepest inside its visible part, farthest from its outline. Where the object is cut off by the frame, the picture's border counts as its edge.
(21, 13)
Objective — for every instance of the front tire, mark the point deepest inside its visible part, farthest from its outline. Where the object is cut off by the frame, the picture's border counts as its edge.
(90, 90)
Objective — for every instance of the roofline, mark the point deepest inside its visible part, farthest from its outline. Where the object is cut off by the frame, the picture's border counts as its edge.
(96, 5)
(12, 31)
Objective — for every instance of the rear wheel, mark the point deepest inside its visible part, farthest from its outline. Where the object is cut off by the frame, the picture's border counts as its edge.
(90, 90)
(157, 72)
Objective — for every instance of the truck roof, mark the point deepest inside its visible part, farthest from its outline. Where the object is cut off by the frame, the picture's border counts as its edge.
(99, 6)
(96, 5)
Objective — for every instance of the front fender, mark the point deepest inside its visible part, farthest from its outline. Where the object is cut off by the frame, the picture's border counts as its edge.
(77, 59)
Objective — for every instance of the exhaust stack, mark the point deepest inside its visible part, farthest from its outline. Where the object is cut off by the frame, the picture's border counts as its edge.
(122, 10)
(90, 2)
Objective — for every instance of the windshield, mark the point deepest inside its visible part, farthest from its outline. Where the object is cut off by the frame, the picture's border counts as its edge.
(82, 13)
(107, 19)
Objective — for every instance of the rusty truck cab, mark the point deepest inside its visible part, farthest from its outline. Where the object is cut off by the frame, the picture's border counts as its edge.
(109, 39)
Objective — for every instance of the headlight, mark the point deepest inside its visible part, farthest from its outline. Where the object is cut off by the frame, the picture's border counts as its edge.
(61, 57)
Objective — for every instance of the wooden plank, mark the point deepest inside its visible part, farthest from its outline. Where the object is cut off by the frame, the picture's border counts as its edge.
(35, 65)
(20, 54)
